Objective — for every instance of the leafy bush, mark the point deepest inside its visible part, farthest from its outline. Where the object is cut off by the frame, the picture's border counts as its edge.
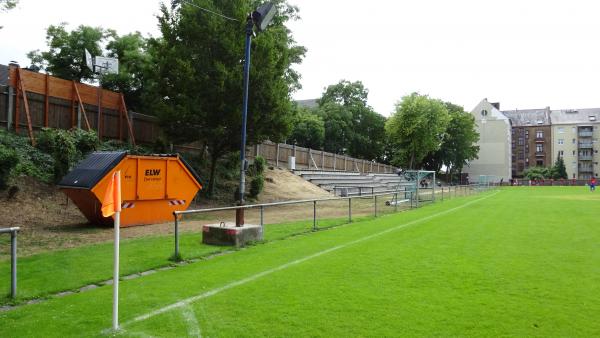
(85, 141)
(61, 145)
(257, 185)
(259, 165)
(31, 161)
(8, 160)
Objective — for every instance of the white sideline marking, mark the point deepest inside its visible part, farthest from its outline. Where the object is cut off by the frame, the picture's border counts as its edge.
(191, 321)
(243, 281)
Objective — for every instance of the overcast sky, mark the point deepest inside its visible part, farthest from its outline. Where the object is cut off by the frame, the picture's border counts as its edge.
(524, 54)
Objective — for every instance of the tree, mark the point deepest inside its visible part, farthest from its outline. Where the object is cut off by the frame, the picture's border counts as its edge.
(559, 171)
(134, 64)
(6, 5)
(416, 129)
(65, 57)
(351, 126)
(459, 142)
(537, 173)
(197, 87)
(308, 130)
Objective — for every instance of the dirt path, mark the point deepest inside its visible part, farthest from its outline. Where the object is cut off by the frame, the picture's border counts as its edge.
(49, 221)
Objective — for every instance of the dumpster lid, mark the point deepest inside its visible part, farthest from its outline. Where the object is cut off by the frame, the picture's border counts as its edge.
(92, 169)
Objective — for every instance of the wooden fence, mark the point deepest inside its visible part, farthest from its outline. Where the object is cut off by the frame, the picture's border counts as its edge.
(32, 101)
(278, 154)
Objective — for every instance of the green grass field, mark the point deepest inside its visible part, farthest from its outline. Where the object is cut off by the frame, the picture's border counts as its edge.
(515, 262)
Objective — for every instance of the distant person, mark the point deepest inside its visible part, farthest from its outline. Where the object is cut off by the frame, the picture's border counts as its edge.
(593, 184)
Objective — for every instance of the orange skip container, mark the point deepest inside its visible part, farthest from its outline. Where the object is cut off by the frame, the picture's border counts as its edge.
(152, 187)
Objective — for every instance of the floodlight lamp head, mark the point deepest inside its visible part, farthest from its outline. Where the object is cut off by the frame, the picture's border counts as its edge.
(263, 16)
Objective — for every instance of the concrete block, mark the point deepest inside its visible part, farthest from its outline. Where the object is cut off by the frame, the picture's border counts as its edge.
(229, 234)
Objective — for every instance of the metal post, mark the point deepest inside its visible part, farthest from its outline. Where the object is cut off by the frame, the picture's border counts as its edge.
(417, 182)
(10, 107)
(262, 216)
(396, 204)
(176, 256)
(277, 156)
(13, 264)
(314, 215)
(115, 318)
(433, 188)
(375, 205)
(349, 209)
(239, 220)
(442, 193)
(79, 116)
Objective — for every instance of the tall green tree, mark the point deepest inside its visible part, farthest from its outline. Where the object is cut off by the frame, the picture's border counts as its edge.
(308, 129)
(351, 125)
(6, 5)
(65, 57)
(459, 143)
(134, 65)
(416, 129)
(559, 171)
(197, 90)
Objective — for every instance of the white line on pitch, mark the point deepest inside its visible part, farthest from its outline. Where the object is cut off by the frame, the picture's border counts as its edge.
(243, 281)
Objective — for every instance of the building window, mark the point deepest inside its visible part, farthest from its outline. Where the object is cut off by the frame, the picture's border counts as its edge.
(561, 141)
(539, 148)
(526, 133)
(573, 152)
(539, 134)
(520, 141)
(561, 153)
(539, 163)
(484, 113)
(521, 156)
(574, 141)
(561, 130)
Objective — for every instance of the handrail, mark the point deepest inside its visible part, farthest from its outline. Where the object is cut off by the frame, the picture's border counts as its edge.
(13, 258)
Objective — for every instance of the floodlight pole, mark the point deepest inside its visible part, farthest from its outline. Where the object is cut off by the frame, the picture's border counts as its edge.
(239, 215)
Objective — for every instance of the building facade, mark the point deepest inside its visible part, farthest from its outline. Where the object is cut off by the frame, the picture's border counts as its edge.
(494, 143)
(531, 139)
(575, 138)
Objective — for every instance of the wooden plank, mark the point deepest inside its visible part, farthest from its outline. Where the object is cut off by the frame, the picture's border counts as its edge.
(73, 121)
(46, 101)
(100, 122)
(128, 122)
(121, 122)
(87, 122)
(26, 105)
(17, 102)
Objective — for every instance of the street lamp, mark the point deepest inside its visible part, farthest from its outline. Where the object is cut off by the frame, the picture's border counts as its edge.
(260, 18)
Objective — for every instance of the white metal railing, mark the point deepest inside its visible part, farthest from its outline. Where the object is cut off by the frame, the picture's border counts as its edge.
(13, 258)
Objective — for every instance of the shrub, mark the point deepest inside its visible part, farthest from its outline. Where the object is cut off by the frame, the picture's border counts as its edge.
(85, 141)
(8, 160)
(60, 144)
(31, 161)
(259, 165)
(256, 186)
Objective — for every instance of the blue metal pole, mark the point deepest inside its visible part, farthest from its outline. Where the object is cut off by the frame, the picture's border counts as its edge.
(249, 33)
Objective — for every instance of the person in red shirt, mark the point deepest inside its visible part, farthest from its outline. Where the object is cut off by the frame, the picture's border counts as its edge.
(593, 184)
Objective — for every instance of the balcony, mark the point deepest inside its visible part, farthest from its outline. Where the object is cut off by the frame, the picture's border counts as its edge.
(586, 169)
(586, 133)
(585, 145)
(586, 157)
(540, 154)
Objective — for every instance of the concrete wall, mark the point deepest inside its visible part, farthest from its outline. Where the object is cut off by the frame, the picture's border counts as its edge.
(494, 144)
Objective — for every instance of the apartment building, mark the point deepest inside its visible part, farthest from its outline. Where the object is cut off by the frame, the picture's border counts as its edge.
(494, 143)
(575, 135)
(531, 139)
